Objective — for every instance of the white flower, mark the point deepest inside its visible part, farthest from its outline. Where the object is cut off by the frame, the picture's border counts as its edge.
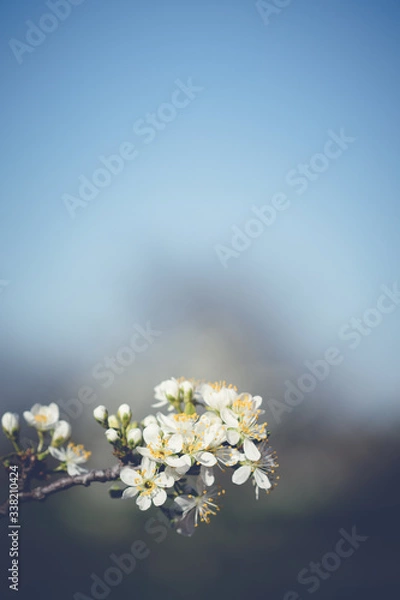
(134, 436)
(259, 469)
(41, 417)
(195, 508)
(217, 396)
(146, 483)
(112, 435)
(167, 391)
(10, 423)
(192, 435)
(161, 448)
(72, 456)
(100, 413)
(62, 433)
(242, 426)
(124, 414)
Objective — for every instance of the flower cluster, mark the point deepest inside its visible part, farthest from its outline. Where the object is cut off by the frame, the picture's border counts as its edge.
(171, 460)
(51, 431)
(208, 428)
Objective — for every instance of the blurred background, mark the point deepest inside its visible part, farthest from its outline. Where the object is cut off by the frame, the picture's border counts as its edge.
(262, 88)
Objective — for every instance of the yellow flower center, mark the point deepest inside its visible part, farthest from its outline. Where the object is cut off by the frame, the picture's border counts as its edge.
(41, 418)
(184, 418)
(159, 453)
(79, 450)
(218, 385)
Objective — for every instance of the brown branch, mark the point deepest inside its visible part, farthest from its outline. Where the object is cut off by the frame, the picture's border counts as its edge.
(41, 493)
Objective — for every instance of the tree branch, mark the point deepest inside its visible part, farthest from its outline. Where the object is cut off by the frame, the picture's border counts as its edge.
(41, 493)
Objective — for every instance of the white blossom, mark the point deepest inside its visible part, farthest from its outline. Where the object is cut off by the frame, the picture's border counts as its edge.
(241, 420)
(43, 418)
(167, 391)
(262, 469)
(197, 506)
(217, 396)
(72, 457)
(146, 483)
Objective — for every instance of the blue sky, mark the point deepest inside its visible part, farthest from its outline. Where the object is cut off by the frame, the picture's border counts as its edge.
(270, 95)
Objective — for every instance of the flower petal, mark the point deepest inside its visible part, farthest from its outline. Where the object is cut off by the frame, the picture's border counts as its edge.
(241, 475)
(207, 475)
(164, 479)
(130, 492)
(143, 502)
(228, 416)
(206, 458)
(29, 418)
(175, 443)
(159, 497)
(250, 450)
(57, 454)
(261, 479)
(151, 434)
(54, 412)
(130, 476)
(73, 469)
(148, 468)
(232, 436)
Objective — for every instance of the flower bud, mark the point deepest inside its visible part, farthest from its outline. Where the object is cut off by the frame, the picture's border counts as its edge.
(62, 433)
(113, 422)
(10, 424)
(124, 414)
(186, 389)
(134, 437)
(100, 413)
(112, 436)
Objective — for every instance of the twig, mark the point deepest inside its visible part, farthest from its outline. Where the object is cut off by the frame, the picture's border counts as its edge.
(41, 493)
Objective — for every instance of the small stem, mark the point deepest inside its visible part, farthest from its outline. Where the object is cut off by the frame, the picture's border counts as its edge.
(41, 440)
(43, 454)
(16, 446)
